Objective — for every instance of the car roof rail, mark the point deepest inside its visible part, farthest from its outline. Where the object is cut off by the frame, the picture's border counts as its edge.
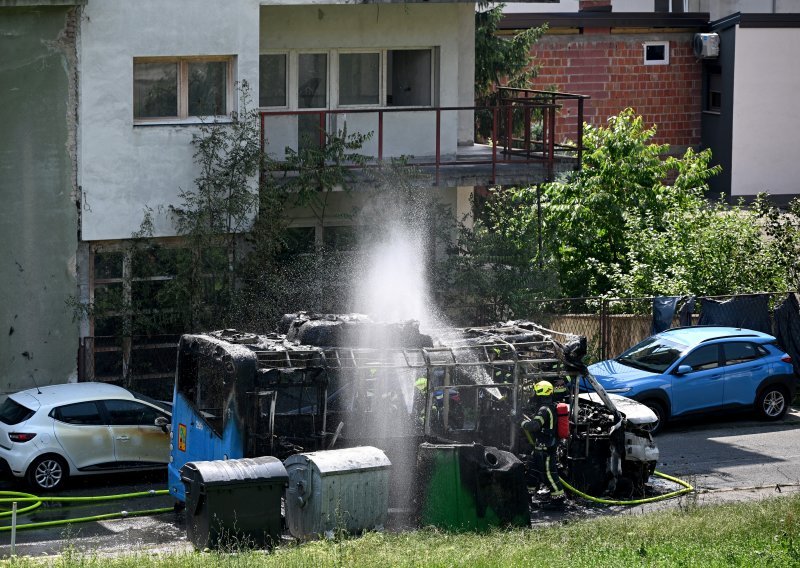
(732, 336)
(683, 327)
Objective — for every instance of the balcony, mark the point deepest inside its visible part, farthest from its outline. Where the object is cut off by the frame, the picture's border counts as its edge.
(525, 139)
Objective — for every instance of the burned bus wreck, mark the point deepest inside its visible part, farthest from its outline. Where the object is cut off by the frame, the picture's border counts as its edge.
(337, 381)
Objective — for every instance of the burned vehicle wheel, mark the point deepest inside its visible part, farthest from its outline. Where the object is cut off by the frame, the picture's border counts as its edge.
(47, 473)
(772, 403)
(661, 416)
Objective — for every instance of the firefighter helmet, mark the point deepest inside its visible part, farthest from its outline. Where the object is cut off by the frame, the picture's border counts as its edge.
(543, 388)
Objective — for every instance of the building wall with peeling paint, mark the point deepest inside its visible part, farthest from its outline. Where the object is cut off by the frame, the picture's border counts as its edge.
(126, 167)
(38, 216)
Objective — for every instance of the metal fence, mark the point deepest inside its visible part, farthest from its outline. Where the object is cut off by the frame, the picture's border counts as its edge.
(610, 325)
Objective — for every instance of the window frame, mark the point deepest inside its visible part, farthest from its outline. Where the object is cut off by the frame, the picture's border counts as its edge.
(332, 86)
(664, 44)
(759, 351)
(287, 84)
(110, 413)
(716, 346)
(55, 413)
(294, 78)
(382, 54)
(713, 85)
(434, 54)
(183, 63)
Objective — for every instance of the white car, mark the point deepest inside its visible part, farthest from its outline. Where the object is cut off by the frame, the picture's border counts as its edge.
(50, 433)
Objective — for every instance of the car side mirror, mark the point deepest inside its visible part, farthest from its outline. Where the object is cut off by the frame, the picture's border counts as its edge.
(162, 422)
(683, 369)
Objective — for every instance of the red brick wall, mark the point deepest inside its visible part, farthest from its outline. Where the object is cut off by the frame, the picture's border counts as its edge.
(610, 69)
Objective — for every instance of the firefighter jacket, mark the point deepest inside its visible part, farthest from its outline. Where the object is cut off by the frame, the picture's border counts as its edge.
(543, 426)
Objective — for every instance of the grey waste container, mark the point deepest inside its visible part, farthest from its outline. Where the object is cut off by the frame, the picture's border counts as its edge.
(345, 489)
(234, 502)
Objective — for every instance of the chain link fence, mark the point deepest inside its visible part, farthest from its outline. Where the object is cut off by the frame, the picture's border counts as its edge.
(611, 325)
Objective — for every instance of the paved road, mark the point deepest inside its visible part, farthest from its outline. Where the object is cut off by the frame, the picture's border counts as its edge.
(732, 459)
(725, 455)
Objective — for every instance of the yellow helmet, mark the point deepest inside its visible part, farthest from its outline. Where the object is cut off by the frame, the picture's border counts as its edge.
(543, 388)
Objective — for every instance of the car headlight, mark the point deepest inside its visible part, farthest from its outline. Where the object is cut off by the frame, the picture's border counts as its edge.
(620, 390)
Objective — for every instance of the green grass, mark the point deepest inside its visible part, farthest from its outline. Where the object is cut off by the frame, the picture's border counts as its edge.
(764, 533)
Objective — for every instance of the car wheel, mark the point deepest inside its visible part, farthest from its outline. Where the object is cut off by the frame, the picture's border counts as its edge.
(48, 473)
(772, 403)
(661, 416)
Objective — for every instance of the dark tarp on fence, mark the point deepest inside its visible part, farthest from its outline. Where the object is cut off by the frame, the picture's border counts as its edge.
(663, 313)
(686, 311)
(787, 328)
(750, 312)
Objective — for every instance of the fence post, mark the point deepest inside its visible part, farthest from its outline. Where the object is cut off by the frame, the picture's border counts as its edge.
(604, 328)
(13, 528)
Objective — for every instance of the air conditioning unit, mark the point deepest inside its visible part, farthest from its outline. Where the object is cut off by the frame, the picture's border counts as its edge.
(706, 46)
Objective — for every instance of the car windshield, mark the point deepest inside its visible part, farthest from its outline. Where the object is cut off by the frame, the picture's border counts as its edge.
(162, 404)
(12, 412)
(654, 354)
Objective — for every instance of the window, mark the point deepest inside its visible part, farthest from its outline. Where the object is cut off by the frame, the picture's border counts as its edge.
(341, 238)
(409, 77)
(312, 80)
(359, 78)
(177, 88)
(272, 80)
(703, 358)
(675, 6)
(714, 95)
(742, 352)
(134, 322)
(653, 354)
(656, 52)
(340, 78)
(130, 413)
(81, 414)
(299, 240)
(12, 412)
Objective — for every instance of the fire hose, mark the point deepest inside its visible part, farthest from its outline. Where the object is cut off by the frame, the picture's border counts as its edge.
(34, 502)
(687, 488)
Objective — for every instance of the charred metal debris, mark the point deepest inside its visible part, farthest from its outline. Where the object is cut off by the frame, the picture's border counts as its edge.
(327, 381)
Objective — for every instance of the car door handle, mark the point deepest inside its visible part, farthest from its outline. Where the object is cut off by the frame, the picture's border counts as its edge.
(123, 438)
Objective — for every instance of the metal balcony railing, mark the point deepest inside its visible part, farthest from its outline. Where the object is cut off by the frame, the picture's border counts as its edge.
(524, 128)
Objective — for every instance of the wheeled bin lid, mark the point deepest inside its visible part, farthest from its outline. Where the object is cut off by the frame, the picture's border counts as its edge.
(345, 460)
(266, 469)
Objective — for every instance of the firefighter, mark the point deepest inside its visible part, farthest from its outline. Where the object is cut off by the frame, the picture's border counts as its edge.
(420, 399)
(562, 389)
(541, 432)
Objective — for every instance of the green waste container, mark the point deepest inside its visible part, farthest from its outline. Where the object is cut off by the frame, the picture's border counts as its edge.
(471, 487)
(234, 503)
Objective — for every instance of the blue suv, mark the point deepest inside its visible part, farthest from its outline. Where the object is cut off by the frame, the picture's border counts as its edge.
(695, 370)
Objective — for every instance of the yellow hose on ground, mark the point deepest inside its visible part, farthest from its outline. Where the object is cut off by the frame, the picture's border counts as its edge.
(8, 497)
(686, 488)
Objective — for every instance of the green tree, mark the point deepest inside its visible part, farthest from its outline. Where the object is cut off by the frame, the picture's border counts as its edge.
(213, 214)
(498, 263)
(623, 179)
(499, 58)
(701, 248)
(782, 227)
